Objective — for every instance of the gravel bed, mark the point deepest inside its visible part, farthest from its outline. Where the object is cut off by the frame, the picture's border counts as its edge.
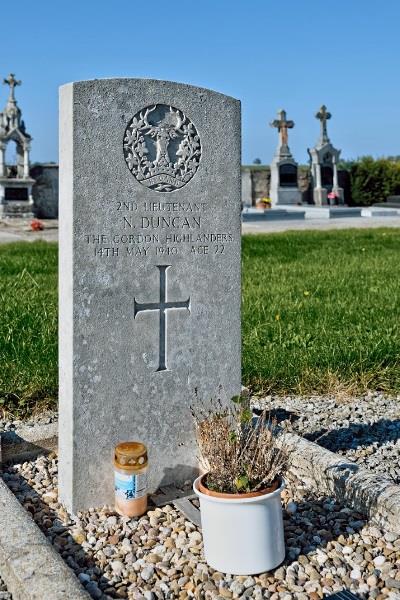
(160, 555)
(43, 418)
(4, 595)
(366, 429)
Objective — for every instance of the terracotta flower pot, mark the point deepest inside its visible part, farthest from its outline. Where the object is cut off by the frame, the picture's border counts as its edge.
(242, 533)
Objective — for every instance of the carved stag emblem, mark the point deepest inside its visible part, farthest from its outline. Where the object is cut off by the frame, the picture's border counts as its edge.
(162, 148)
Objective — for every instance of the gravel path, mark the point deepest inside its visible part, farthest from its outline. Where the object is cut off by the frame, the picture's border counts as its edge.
(4, 595)
(366, 429)
(19, 230)
(160, 555)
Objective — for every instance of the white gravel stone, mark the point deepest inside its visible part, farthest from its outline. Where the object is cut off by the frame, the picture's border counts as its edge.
(117, 567)
(147, 573)
(249, 582)
(355, 574)
(321, 557)
(379, 560)
(237, 588)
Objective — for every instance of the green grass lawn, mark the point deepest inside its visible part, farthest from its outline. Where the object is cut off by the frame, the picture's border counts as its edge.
(321, 311)
(320, 314)
(28, 326)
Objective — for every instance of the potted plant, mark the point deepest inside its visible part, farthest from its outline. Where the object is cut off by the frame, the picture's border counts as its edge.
(240, 490)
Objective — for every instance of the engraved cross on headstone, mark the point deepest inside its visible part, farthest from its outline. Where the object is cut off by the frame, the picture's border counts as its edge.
(163, 305)
(323, 115)
(282, 124)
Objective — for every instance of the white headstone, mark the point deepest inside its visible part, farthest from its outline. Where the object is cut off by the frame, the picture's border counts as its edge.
(149, 274)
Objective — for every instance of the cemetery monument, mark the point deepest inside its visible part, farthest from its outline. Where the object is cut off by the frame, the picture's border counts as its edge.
(283, 186)
(15, 181)
(324, 158)
(149, 274)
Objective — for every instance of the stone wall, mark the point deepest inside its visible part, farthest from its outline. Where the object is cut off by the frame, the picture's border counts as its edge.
(45, 190)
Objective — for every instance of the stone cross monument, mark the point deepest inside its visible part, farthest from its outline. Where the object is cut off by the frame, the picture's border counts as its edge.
(149, 275)
(323, 116)
(15, 181)
(324, 158)
(282, 124)
(283, 187)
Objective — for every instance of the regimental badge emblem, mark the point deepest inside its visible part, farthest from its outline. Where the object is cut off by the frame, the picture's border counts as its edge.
(162, 148)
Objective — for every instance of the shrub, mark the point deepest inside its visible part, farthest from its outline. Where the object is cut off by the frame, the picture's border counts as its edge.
(373, 180)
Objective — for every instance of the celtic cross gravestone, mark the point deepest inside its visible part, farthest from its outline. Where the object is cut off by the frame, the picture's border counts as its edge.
(149, 274)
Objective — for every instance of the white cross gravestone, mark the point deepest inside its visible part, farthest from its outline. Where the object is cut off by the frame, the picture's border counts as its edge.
(149, 275)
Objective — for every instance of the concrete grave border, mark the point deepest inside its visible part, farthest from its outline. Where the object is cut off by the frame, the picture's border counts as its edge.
(323, 471)
(28, 442)
(29, 565)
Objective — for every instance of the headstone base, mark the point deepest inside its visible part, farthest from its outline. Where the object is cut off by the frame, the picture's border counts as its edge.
(320, 196)
(286, 196)
(273, 214)
(288, 193)
(14, 210)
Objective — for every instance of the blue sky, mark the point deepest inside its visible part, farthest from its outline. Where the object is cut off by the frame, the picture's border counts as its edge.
(296, 55)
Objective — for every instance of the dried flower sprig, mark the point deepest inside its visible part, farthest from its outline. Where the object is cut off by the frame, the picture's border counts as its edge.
(239, 452)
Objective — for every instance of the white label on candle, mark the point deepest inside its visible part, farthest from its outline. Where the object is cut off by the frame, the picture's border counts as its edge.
(130, 486)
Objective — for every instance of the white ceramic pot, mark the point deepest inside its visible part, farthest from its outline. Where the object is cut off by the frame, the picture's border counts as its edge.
(242, 533)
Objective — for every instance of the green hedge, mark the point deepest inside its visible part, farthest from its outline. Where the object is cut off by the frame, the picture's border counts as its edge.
(373, 180)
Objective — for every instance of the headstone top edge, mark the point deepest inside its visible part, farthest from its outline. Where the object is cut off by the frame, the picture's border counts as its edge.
(141, 80)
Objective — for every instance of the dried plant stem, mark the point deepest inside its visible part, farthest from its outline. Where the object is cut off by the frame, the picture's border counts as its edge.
(238, 454)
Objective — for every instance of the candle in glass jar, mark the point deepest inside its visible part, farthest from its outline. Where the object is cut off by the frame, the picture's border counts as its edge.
(130, 475)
